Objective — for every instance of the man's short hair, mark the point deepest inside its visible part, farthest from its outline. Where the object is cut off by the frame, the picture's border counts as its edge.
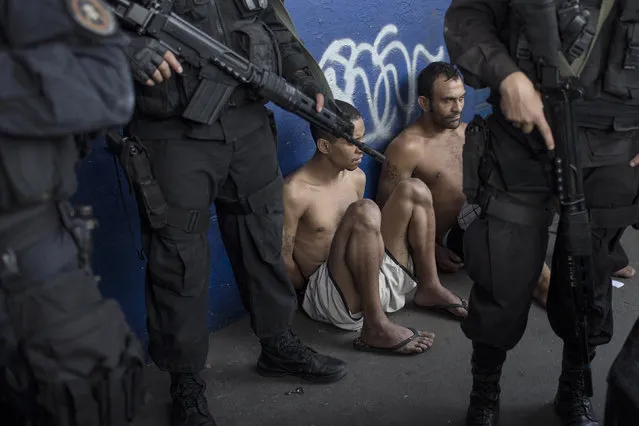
(349, 112)
(427, 77)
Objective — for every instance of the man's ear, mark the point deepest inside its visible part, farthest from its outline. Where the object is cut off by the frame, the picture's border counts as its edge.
(323, 146)
(424, 103)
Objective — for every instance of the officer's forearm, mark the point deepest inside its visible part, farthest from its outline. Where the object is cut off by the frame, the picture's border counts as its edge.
(473, 43)
(46, 89)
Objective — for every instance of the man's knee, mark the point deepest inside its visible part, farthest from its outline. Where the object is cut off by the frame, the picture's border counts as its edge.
(365, 215)
(414, 191)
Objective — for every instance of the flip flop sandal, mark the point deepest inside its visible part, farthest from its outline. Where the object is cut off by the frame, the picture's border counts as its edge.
(362, 346)
(445, 309)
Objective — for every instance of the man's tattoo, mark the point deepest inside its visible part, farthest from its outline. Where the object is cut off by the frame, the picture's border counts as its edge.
(392, 172)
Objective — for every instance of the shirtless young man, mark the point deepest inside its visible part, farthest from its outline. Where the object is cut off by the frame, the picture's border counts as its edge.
(352, 260)
(430, 149)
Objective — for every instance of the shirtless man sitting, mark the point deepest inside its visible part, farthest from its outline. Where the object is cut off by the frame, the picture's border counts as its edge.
(353, 262)
(430, 149)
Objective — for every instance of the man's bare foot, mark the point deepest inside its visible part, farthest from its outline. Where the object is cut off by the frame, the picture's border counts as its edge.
(627, 272)
(541, 295)
(393, 338)
(541, 290)
(439, 298)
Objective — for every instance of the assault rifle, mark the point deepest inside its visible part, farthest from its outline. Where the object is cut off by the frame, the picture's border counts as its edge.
(573, 246)
(202, 51)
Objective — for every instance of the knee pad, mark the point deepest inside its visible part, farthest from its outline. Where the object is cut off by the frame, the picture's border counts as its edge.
(77, 362)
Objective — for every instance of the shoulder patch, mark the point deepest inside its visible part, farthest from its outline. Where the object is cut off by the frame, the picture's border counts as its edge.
(92, 15)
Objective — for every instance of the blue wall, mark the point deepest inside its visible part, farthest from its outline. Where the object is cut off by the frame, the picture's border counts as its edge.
(370, 50)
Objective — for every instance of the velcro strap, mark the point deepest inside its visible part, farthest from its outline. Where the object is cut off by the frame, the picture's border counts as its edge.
(251, 204)
(191, 221)
(614, 218)
(515, 213)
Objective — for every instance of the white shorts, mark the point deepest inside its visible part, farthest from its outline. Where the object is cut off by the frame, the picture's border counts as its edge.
(323, 300)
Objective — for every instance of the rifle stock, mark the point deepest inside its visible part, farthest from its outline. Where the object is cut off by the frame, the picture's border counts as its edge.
(202, 51)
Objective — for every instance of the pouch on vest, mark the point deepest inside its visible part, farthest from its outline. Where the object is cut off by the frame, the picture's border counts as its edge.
(260, 43)
(477, 135)
(622, 74)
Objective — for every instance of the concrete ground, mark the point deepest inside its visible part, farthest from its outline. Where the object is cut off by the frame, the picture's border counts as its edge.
(429, 389)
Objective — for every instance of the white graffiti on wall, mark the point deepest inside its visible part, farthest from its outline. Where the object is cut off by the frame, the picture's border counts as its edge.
(379, 77)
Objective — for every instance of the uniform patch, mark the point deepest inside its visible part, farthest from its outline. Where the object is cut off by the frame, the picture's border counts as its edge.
(255, 4)
(92, 15)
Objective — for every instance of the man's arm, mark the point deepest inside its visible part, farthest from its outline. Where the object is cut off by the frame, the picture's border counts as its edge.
(402, 158)
(61, 74)
(471, 34)
(293, 212)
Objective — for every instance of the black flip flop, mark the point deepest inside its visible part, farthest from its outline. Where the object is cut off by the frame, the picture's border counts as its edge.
(445, 309)
(362, 346)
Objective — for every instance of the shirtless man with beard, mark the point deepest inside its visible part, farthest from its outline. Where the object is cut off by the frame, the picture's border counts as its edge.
(430, 149)
(353, 262)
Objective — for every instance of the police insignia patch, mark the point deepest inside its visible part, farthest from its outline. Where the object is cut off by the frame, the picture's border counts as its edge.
(255, 4)
(92, 15)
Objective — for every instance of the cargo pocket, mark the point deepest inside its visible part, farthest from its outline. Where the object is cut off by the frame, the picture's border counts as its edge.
(605, 148)
(265, 226)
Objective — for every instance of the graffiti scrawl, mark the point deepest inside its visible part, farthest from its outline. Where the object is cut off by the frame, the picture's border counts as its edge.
(383, 73)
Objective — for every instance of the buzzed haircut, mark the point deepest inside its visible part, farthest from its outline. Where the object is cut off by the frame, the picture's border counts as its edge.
(349, 112)
(427, 77)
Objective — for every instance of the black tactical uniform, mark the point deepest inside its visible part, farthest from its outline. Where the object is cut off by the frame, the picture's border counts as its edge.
(67, 356)
(232, 163)
(505, 247)
(622, 400)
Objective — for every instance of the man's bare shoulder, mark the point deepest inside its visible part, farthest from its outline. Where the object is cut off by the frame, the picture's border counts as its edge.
(296, 191)
(410, 142)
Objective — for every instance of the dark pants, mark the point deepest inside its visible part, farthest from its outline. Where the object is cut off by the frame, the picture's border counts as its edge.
(243, 179)
(622, 399)
(504, 259)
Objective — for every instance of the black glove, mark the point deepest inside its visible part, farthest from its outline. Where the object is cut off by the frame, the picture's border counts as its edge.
(305, 83)
(145, 56)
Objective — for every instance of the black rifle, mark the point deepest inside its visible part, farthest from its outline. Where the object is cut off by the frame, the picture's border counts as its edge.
(201, 50)
(573, 247)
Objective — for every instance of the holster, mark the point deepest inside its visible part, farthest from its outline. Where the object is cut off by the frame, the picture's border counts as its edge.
(477, 138)
(135, 160)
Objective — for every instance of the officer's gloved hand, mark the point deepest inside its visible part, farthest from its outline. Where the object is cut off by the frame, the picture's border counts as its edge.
(306, 84)
(150, 61)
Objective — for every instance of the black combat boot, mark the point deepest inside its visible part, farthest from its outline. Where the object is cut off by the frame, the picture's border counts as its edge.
(189, 406)
(571, 403)
(484, 397)
(285, 354)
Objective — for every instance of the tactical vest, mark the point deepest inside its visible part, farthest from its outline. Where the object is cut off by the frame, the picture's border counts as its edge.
(610, 74)
(237, 24)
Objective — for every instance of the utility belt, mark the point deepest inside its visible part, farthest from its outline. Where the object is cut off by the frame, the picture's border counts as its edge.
(481, 185)
(134, 159)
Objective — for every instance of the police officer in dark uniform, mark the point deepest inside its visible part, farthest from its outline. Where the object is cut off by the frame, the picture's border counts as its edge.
(67, 356)
(505, 248)
(232, 163)
(622, 398)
